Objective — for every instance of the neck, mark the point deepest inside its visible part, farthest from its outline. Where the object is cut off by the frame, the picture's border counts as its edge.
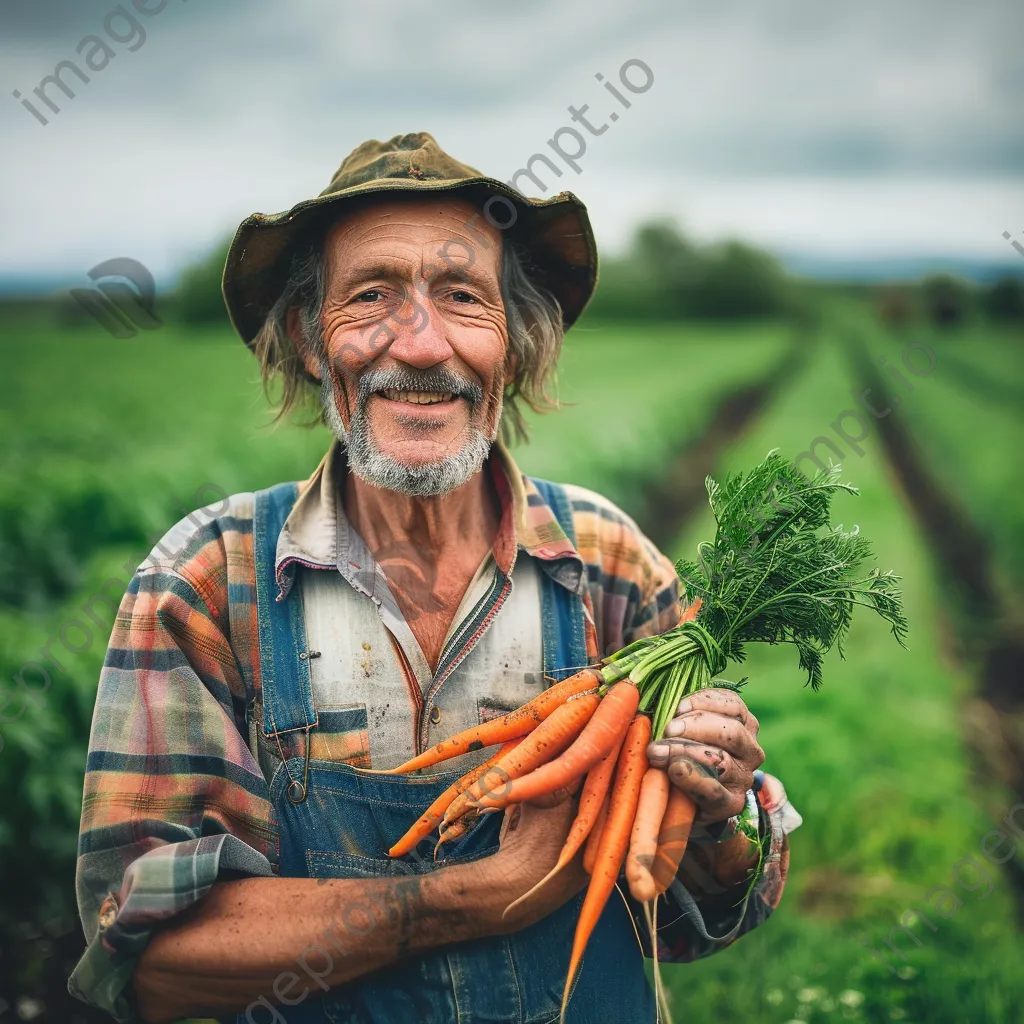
(465, 519)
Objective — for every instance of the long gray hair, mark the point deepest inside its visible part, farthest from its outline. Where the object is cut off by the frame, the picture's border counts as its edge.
(533, 316)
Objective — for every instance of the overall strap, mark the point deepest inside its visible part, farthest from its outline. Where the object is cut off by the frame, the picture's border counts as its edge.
(565, 645)
(284, 661)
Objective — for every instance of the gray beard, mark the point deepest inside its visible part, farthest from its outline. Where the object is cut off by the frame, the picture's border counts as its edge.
(370, 464)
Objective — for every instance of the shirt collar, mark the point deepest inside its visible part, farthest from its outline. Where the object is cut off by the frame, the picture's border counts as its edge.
(317, 532)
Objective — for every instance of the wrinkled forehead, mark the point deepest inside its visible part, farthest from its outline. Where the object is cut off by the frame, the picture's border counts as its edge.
(438, 229)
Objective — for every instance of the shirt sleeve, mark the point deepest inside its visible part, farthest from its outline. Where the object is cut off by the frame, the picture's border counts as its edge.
(174, 800)
(660, 604)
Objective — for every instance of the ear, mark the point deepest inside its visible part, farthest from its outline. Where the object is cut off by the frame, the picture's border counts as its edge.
(309, 360)
(511, 364)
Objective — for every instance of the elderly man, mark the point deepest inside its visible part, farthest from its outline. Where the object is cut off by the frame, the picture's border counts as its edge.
(233, 847)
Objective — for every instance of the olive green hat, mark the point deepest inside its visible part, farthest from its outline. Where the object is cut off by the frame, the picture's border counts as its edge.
(556, 232)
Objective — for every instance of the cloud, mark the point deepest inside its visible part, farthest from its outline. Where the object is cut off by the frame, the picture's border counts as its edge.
(251, 104)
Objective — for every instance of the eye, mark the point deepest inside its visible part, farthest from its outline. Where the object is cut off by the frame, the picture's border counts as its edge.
(372, 295)
(461, 296)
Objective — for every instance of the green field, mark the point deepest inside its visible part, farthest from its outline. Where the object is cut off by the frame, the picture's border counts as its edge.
(104, 438)
(876, 765)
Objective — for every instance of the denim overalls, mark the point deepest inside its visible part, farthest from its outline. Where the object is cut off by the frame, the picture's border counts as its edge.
(337, 821)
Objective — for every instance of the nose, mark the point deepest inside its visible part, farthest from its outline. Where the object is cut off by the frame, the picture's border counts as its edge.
(419, 334)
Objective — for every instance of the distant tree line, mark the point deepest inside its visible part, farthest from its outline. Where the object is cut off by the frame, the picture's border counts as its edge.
(666, 276)
(198, 298)
(947, 301)
(663, 277)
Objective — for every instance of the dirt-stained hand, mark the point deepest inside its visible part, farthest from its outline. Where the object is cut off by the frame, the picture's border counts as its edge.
(531, 839)
(710, 751)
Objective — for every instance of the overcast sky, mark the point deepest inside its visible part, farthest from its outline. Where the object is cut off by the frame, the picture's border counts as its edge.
(876, 127)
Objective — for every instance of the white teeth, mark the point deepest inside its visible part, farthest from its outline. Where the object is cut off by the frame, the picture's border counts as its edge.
(418, 397)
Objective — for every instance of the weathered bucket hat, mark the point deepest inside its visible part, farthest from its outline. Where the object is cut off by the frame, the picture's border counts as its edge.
(556, 232)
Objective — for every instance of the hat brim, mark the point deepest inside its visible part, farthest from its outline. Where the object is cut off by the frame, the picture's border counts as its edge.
(555, 231)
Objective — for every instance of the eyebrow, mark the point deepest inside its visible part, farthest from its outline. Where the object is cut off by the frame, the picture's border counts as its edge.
(371, 269)
(382, 268)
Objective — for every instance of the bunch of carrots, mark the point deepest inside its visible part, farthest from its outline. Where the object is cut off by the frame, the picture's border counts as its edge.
(585, 727)
(793, 579)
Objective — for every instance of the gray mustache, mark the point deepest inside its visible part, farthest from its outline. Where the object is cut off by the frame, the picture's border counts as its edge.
(436, 380)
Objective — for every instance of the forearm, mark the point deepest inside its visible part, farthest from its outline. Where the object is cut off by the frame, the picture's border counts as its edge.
(281, 940)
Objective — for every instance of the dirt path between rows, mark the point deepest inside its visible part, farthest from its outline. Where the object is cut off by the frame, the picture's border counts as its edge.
(984, 620)
(670, 501)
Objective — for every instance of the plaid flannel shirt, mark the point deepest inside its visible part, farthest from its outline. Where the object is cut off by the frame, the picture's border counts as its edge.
(175, 799)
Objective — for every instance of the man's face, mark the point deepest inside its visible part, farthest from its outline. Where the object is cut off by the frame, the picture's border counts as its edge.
(416, 341)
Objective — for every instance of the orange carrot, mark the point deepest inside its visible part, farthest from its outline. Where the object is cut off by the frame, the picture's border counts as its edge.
(643, 843)
(595, 789)
(454, 831)
(611, 851)
(435, 812)
(592, 807)
(605, 729)
(547, 741)
(691, 612)
(594, 839)
(672, 838)
(513, 725)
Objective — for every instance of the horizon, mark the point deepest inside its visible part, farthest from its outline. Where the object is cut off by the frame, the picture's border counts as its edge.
(849, 268)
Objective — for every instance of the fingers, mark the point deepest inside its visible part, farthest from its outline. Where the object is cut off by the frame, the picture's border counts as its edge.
(712, 777)
(714, 729)
(722, 702)
(510, 822)
(552, 813)
(710, 752)
(714, 800)
(725, 767)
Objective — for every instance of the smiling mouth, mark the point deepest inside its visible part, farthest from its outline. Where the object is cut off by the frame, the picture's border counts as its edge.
(418, 397)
